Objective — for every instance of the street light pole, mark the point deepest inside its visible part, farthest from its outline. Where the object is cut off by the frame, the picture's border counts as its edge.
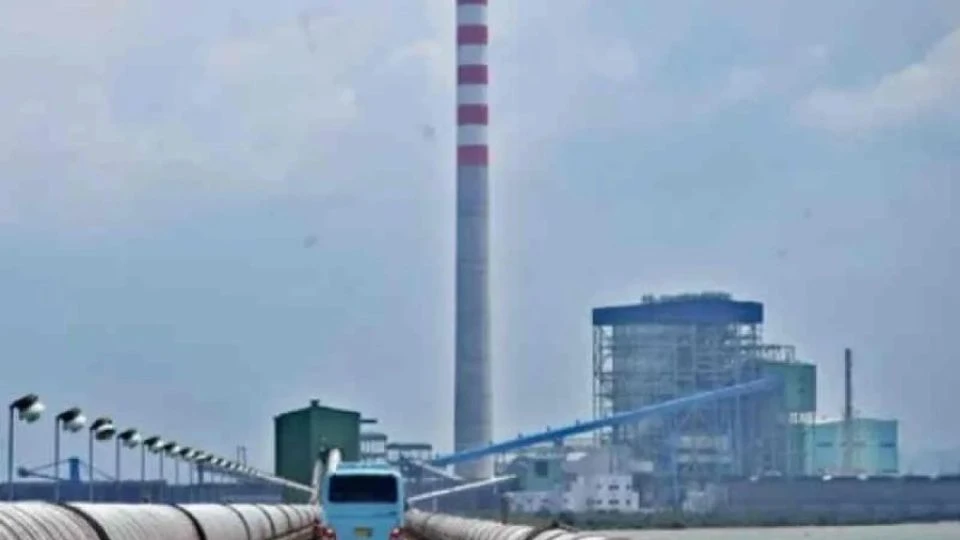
(171, 449)
(151, 444)
(143, 469)
(101, 429)
(129, 439)
(186, 454)
(116, 470)
(71, 420)
(90, 468)
(29, 409)
(56, 460)
(163, 491)
(203, 471)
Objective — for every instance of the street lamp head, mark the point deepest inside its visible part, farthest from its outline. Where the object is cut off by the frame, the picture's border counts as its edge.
(171, 448)
(185, 453)
(72, 419)
(76, 424)
(153, 444)
(129, 438)
(103, 429)
(29, 408)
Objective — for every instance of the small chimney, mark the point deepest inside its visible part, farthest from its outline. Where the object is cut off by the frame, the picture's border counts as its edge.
(847, 458)
(847, 384)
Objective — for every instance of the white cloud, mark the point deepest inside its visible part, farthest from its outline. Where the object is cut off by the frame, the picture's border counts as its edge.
(928, 86)
(247, 110)
(253, 107)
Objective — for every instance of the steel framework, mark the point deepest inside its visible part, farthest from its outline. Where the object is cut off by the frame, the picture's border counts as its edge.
(670, 347)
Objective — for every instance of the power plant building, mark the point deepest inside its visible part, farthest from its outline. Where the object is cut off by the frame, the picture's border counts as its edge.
(874, 448)
(671, 347)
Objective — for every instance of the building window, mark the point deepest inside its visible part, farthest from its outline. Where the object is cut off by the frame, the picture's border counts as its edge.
(541, 468)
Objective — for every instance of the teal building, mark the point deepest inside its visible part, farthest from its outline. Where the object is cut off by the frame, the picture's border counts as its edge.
(875, 447)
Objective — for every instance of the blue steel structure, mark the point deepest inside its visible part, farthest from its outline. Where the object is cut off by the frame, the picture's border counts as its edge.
(718, 308)
(667, 348)
(667, 407)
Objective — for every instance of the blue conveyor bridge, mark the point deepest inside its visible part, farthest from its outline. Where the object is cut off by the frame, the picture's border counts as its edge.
(767, 384)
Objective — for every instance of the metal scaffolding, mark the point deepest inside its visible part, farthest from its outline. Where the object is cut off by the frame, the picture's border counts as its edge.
(671, 347)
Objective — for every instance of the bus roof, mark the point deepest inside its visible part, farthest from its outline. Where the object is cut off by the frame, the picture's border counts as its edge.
(365, 468)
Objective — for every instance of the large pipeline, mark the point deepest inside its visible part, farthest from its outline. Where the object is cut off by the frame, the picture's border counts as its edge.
(428, 526)
(79, 521)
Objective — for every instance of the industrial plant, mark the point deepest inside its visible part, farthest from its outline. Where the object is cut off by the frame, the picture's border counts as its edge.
(673, 347)
(692, 409)
(693, 412)
(673, 356)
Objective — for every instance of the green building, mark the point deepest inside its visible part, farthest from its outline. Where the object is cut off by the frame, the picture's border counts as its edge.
(300, 436)
(798, 401)
(799, 385)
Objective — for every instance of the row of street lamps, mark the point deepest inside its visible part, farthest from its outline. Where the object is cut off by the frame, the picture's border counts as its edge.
(30, 409)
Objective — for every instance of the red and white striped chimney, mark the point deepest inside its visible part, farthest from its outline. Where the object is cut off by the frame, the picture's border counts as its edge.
(473, 386)
(472, 77)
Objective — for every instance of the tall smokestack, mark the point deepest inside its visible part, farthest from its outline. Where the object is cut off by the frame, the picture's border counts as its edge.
(847, 456)
(473, 387)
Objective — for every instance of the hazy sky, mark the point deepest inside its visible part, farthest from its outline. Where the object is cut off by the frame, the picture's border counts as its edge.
(211, 212)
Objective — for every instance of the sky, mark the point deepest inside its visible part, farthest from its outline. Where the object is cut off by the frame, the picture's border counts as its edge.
(213, 212)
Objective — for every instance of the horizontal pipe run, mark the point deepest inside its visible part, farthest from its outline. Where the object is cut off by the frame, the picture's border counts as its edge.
(94, 521)
(428, 526)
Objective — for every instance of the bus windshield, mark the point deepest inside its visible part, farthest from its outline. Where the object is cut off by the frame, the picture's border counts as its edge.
(363, 488)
